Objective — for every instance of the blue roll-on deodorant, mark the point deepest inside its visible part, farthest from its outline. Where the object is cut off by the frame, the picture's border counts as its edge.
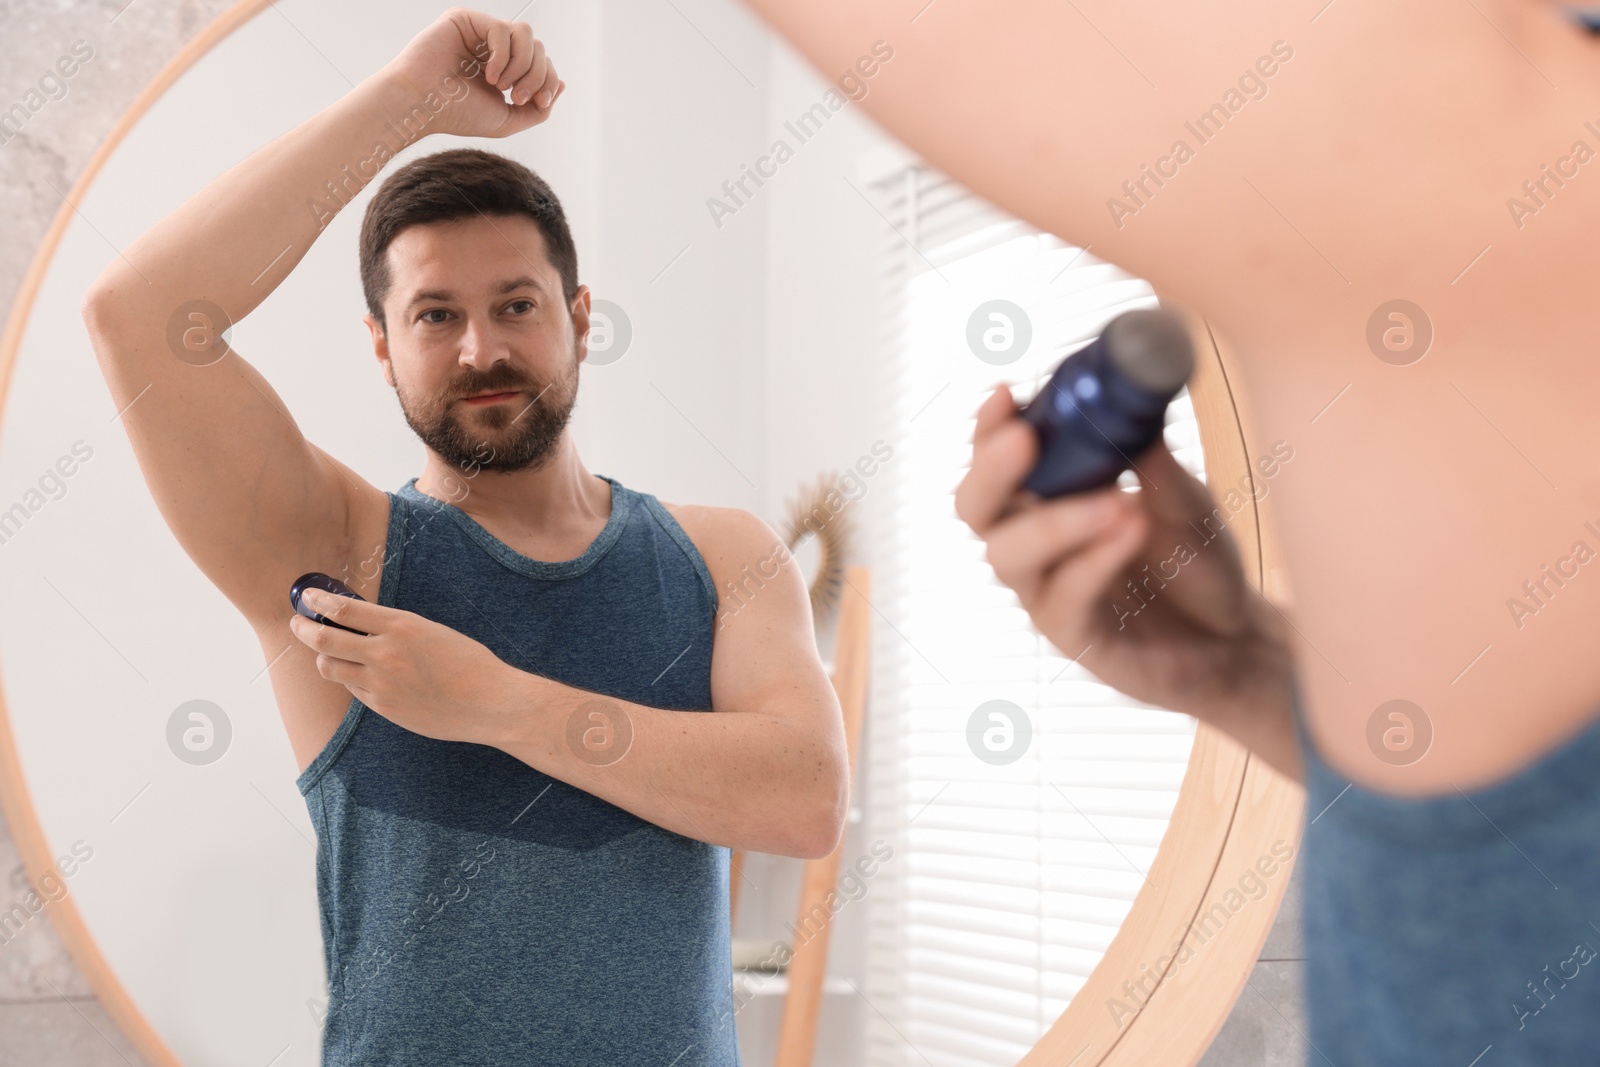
(329, 584)
(1107, 402)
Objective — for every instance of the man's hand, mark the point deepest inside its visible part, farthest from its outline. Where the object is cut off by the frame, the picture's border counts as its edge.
(413, 671)
(490, 55)
(1195, 637)
(769, 774)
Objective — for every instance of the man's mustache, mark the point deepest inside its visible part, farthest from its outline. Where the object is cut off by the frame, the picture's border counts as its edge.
(492, 385)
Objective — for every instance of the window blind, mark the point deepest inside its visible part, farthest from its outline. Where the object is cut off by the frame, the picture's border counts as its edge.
(1008, 880)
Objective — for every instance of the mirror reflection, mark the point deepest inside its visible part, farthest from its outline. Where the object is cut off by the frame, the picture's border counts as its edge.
(570, 733)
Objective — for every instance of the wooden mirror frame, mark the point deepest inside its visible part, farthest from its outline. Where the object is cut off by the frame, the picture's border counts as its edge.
(1230, 811)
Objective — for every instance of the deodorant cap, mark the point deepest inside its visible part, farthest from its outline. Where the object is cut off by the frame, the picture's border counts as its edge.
(1152, 349)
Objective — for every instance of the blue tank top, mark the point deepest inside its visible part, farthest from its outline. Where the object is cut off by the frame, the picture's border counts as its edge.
(477, 911)
(1458, 929)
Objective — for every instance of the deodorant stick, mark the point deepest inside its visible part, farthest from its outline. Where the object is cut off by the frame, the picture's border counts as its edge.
(1107, 402)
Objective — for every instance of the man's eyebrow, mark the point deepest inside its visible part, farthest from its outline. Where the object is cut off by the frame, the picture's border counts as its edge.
(511, 285)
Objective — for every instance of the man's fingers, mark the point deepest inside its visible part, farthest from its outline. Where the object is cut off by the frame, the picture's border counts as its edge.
(1000, 461)
(528, 73)
(994, 411)
(498, 37)
(1071, 603)
(329, 640)
(541, 94)
(1023, 548)
(337, 670)
(552, 86)
(361, 615)
(522, 54)
(1058, 536)
(1168, 490)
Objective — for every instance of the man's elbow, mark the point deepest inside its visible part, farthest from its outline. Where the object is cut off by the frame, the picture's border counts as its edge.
(818, 831)
(94, 306)
(100, 310)
(818, 838)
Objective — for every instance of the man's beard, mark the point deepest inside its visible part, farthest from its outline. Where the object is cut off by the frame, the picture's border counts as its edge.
(510, 435)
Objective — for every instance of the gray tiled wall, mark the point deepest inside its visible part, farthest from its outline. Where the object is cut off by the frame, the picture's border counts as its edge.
(1267, 1027)
(48, 1015)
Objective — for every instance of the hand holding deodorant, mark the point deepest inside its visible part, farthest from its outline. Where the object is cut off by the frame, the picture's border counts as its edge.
(1107, 402)
(328, 584)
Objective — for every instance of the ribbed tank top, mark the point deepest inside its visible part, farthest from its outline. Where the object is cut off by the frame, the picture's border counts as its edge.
(1459, 929)
(477, 911)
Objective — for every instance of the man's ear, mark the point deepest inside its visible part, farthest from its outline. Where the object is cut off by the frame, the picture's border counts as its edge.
(380, 347)
(580, 322)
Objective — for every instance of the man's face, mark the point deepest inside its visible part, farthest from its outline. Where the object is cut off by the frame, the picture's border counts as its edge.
(475, 307)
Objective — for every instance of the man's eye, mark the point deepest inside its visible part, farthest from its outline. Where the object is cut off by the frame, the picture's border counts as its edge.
(529, 303)
(433, 311)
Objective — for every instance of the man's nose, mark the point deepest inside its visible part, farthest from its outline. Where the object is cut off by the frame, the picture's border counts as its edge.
(480, 347)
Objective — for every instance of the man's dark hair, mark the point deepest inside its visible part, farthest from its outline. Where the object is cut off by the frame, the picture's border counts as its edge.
(454, 184)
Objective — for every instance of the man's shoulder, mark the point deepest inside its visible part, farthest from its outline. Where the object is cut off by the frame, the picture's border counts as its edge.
(742, 553)
(727, 538)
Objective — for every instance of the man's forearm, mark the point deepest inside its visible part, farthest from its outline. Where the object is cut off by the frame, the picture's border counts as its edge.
(234, 241)
(747, 780)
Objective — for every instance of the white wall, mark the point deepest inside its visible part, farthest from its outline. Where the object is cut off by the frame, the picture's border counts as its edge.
(680, 414)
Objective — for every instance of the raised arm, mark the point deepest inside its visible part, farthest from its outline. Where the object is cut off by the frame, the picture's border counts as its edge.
(252, 501)
(247, 496)
(1421, 157)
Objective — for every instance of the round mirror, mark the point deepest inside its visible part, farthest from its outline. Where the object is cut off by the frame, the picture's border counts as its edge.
(1039, 843)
